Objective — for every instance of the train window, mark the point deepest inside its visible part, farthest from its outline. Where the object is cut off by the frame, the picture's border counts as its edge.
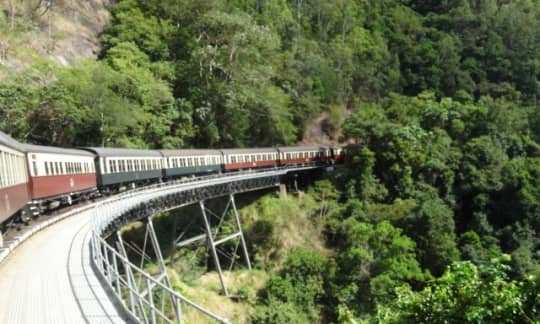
(1, 169)
(34, 167)
(9, 168)
(202, 161)
(2, 173)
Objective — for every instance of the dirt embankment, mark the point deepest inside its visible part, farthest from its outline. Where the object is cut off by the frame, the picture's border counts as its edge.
(325, 129)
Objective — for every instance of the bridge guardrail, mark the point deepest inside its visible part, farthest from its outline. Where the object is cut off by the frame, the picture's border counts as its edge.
(120, 273)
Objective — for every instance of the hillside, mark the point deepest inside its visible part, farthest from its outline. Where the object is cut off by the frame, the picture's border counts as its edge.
(436, 218)
(64, 32)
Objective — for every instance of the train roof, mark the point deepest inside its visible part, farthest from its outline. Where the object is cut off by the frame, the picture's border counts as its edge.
(122, 152)
(301, 148)
(29, 148)
(250, 150)
(189, 152)
(7, 140)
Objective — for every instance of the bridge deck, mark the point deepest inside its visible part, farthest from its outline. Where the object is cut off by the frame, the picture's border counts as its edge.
(49, 279)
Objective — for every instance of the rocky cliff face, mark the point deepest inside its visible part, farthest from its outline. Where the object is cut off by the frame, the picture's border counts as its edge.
(63, 31)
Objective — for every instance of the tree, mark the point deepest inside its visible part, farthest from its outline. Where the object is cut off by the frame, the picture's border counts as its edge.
(375, 259)
(467, 293)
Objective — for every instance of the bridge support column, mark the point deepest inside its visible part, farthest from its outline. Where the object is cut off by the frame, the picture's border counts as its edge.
(134, 295)
(214, 241)
(163, 276)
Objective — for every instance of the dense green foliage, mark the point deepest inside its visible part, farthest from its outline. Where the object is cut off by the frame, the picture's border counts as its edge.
(468, 294)
(443, 97)
(253, 72)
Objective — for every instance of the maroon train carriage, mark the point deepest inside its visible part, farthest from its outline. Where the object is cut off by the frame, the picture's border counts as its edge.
(59, 176)
(14, 195)
(303, 155)
(339, 154)
(235, 159)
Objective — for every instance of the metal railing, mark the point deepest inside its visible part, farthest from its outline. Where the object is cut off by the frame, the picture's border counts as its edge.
(128, 280)
(135, 288)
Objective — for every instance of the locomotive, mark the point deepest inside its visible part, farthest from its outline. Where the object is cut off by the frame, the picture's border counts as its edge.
(35, 179)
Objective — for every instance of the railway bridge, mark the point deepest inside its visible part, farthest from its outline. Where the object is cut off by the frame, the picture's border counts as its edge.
(78, 271)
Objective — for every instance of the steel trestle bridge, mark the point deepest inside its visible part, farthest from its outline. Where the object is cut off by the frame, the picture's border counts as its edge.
(112, 288)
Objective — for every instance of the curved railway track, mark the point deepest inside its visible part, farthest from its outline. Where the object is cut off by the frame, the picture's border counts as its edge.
(52, 277)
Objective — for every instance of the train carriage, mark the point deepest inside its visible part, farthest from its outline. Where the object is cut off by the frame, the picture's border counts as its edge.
(339, 154)
(179, 163)
(235, 159)
(117, 169)
(303, 155)
(59, 175)
(14, 194)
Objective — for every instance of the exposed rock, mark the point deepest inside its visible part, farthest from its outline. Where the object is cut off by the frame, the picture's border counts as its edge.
(63, 31)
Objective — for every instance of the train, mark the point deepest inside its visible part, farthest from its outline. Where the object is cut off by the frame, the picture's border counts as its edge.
(35, 179)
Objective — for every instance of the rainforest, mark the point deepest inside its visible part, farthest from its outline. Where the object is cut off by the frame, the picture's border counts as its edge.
(435, 217)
